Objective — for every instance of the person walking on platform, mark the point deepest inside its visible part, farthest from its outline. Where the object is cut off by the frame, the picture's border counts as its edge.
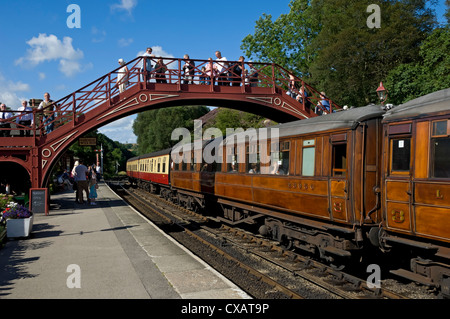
(81, 173)
(93, 185)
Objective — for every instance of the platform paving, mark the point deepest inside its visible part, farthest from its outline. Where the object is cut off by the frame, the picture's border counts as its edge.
(108, 251)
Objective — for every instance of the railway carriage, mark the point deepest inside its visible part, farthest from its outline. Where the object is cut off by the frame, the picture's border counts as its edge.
(416, 187)
(193, 177)
(151, 171)
(320, 189)
(337, 185)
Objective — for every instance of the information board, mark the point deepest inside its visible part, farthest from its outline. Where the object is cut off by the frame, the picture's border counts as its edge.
(38, 200)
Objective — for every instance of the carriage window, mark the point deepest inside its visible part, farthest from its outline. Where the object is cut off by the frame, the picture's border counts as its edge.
(400, 154)
(339, 159)
(232, 163)
(279, 159)
(215, 166)
(192, 163)
(440, 150)
(252, 159)
(440, 128)
(309, 153)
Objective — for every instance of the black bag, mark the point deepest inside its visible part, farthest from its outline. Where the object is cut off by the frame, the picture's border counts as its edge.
(75, 186)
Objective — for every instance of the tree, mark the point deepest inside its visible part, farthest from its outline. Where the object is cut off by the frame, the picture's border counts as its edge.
(229, 118)
(287, 40)
(154, 128)
(429, 74)
(343, 56)
(112, 151)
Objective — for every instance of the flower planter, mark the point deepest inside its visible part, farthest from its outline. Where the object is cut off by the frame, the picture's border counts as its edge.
(20, 227)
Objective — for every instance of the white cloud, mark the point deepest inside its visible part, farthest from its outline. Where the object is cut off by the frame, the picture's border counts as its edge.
(125, 42)
(120, 130)
(157, 51)
(9, 92)
(125, 5)
(99, 35)
(49, 48)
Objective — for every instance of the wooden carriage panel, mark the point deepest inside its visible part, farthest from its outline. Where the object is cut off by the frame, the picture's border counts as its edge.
(339, 209)
(338, 188)
(355, 169)
(284, 183)
(298, 156)
(296, 202)
(433, 221)
(233, 186)
(432, 194)
(339, 191)
(398, 216)
(326, 165)
(421, 155)
(182, 179)
(320, 159)
(397, 191)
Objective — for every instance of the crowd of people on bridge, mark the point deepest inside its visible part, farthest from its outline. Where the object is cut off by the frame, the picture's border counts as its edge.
(25, 119)
(217, 72)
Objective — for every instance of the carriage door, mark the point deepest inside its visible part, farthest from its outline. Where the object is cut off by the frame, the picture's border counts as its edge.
(399, 188)
(339, 176)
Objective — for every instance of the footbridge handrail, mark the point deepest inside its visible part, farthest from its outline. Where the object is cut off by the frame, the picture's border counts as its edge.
(71, 109)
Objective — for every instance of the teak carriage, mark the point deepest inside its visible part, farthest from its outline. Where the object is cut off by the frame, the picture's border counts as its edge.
(338, 186)
(416, 187)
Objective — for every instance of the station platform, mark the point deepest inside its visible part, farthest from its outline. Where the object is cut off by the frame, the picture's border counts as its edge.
(107, 251)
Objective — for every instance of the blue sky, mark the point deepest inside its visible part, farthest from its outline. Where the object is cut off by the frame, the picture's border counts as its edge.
(40, 53)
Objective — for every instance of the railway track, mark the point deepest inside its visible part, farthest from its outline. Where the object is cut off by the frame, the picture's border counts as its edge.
(257, 285)
(257, 265)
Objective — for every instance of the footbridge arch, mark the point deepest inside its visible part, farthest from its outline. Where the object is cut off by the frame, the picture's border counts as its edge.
(265, 89)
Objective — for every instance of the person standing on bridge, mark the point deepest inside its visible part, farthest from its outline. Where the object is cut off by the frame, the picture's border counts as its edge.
(236, 72)
(4, 115)
(148, 64)
(189, 70)
(211, 71)
(160, 71)
(47, 106)
(25, 118)
(222, 67)
(122, 76)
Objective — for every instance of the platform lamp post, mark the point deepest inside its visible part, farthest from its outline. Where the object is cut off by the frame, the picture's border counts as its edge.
(101, 159)
(382, 93)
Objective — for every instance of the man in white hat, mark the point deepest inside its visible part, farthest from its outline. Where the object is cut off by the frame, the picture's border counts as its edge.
(122, 76)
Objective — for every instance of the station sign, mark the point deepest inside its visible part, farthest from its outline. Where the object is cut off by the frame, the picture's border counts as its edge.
(87, 141)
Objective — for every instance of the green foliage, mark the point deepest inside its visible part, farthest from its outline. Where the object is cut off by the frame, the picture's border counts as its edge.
(285, 41)
(112, 151)
(330, 43)
(154, 128)
(429, 74)
(228, 118)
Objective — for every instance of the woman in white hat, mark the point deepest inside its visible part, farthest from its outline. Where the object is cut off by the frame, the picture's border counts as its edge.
(122, 76)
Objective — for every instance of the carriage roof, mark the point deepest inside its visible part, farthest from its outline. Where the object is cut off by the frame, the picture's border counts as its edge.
(430, 104)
